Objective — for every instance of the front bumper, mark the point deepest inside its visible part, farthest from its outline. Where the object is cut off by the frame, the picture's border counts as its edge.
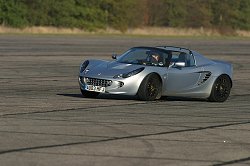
(128, 86)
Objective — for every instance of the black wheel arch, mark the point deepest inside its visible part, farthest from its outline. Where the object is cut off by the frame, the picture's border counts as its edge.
(231, 81)
(224, 74)
(222, 94)
(156, 75)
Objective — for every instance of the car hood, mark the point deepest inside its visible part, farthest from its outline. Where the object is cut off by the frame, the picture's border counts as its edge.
(109, 69)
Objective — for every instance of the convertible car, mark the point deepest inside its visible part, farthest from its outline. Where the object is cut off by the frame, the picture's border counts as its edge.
(152, 72)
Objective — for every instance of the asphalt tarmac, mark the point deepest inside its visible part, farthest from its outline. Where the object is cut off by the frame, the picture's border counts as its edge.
(44, 120)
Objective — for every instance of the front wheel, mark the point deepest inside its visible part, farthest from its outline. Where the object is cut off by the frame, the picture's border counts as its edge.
(150, 88)
(221, 89)
(89, 94)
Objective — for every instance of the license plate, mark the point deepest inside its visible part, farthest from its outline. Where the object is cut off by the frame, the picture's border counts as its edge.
(95, 88)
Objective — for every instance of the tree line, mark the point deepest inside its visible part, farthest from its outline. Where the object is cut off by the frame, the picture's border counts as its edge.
(124, 14)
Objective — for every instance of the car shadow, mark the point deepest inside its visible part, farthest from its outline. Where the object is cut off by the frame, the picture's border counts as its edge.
(167, 98)
(125, 97)
(70, 95)
(102, 96)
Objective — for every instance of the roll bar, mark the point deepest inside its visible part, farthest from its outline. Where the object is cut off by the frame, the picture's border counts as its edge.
(175, 47)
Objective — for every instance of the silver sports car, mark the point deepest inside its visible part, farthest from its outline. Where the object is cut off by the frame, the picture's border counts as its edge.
(152, 72)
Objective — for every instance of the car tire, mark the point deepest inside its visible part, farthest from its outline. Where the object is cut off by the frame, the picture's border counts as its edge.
(89, 94)
(150, 88)
(221, 89)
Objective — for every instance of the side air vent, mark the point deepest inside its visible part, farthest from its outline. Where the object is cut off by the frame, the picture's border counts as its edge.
(204, 77)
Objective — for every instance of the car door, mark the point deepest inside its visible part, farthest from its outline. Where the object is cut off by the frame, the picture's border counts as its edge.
(182, 78)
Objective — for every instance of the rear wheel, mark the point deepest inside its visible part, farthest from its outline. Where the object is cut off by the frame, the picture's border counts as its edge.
(221, 89)
(150, 88)
(89, 94)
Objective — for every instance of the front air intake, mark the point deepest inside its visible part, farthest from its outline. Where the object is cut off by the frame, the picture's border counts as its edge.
(97, 82)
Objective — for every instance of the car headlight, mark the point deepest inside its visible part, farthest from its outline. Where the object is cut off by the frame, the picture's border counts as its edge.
(83, 66)
(129, 74)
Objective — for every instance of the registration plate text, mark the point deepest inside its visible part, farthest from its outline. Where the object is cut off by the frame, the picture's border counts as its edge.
(95, 88)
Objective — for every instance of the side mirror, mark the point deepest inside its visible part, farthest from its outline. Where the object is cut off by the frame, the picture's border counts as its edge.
(114, 56)
(180, 64)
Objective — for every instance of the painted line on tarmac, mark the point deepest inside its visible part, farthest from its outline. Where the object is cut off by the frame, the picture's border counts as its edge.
(65, 110)
(233, 162)
(120, 138)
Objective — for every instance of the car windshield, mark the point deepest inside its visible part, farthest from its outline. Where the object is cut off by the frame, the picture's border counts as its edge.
(145, 56)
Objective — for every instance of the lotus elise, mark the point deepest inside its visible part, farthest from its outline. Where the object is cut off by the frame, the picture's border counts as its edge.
(152, 72)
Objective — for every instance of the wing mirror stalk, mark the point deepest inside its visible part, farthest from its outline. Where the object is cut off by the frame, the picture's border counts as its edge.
(114, 56)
